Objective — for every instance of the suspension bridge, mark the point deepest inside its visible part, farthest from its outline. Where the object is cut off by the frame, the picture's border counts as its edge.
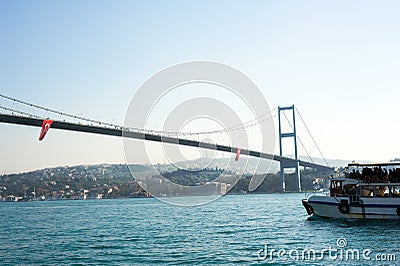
(13, 115)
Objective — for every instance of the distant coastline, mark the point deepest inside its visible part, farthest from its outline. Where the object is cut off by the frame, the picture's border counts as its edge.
(111, 181)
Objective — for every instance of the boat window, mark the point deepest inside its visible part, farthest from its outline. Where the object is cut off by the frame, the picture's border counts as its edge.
(395, 190)
(367, 191)
(386, 192)
(336, 188)
(350, 189)
(382, 191)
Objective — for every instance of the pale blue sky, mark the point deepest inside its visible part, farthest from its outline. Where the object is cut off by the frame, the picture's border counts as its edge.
(337, 61)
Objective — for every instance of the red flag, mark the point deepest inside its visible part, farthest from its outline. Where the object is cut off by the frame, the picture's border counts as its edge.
(45, 127)
(237, 154)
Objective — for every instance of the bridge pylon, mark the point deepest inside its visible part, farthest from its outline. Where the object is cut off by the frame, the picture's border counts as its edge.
(285, 164)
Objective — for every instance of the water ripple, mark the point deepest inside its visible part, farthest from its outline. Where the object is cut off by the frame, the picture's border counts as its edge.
(231, 230)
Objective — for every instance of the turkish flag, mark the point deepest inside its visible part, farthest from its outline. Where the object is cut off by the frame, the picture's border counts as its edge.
(237, 154)
(45, 127)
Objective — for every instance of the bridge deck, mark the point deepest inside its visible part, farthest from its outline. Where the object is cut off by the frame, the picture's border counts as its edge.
(119, 132)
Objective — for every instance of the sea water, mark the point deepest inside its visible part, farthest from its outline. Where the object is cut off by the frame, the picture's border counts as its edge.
(236, 229)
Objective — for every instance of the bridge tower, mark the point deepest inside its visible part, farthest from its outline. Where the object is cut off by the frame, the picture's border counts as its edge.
(288, 164)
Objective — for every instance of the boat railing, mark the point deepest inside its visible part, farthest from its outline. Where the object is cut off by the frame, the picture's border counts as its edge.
(315, 192)
(329, 194)
(375, 178)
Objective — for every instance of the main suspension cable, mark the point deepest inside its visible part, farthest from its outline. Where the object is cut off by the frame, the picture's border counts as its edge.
(309, 132)
(247, 124)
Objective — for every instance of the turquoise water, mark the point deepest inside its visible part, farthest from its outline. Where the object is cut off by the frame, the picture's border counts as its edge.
(231, 230)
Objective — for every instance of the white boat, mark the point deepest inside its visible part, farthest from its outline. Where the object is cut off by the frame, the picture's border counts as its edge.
(365, 191)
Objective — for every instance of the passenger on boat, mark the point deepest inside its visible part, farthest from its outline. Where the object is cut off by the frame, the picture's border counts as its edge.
(385, 172)
(395, 193)
(350, 189)
(367, 191)
(386, 192)
(336, 191)
(394, 175)
(379, 174)
(367, 172)
(355, 174)
(339, 191)
(380, 191)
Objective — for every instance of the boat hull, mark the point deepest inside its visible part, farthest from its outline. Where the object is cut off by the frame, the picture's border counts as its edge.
(341, 207)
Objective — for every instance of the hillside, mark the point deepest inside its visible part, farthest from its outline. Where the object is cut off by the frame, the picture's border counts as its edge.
(115, 181)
